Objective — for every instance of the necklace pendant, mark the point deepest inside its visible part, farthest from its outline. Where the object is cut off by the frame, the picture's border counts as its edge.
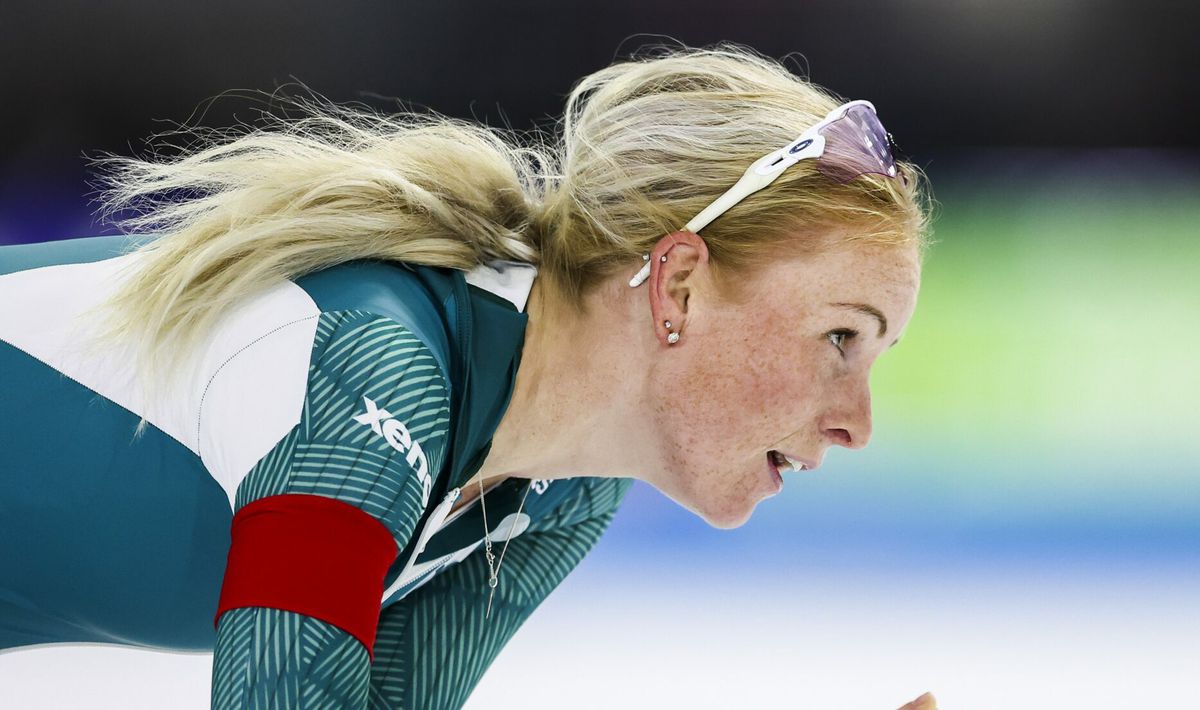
(508, 535)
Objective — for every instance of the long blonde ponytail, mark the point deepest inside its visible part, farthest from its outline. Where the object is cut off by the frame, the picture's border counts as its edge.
(296, 196)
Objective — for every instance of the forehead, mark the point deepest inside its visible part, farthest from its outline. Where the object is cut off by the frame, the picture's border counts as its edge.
(886, 277)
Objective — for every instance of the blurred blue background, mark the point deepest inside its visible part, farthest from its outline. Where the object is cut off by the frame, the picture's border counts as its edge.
(1023, 530)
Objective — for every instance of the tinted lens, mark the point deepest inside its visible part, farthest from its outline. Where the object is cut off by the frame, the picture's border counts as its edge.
(856, 144)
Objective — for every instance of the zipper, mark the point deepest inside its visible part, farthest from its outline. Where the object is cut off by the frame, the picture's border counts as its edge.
(438, 519)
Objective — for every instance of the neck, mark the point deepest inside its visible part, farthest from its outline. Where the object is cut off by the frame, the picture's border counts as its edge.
(575, 401)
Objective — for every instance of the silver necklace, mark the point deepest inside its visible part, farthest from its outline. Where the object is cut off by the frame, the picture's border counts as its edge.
(487, 539)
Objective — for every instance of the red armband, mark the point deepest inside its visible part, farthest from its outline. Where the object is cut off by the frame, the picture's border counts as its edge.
(309, 554)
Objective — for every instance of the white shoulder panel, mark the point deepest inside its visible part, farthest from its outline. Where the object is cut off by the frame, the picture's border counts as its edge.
(255, 394)
(255, 401)
(510, 280)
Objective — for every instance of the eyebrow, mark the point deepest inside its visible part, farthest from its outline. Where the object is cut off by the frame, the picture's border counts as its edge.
(871, 311)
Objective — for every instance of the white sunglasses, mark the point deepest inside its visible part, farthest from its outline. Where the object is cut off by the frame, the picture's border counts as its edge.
(849, 142)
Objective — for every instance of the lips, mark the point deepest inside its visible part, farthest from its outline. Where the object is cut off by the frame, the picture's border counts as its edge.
(773, 469)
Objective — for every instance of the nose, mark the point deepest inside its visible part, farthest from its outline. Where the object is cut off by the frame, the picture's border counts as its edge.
(851, 426)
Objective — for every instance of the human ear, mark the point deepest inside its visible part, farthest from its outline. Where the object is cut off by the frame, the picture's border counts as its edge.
(674, 261)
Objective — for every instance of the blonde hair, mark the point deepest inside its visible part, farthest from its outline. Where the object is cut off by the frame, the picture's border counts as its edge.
(643, 145)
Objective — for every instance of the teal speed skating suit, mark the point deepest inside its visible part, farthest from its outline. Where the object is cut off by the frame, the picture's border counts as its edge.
(343, 411)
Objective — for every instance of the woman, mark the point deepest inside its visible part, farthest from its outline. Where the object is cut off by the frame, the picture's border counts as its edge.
(373, 362)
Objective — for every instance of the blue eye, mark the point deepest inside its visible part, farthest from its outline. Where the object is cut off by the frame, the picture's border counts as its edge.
(845, 333)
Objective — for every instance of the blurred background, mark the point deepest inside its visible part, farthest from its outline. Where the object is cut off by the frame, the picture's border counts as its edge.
(1023, 530)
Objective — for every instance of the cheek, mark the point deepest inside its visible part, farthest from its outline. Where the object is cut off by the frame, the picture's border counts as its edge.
(719, 411)
(743, 394)
(777, 373)
(778, 379)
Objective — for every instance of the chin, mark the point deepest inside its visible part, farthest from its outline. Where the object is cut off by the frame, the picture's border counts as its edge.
(726, 517)
(719, 511)
(728, 523)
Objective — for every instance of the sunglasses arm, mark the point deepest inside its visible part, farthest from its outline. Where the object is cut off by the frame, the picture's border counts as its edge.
(762, 172)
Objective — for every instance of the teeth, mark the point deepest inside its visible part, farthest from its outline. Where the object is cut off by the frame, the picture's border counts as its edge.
(781, 459)
(796, 465)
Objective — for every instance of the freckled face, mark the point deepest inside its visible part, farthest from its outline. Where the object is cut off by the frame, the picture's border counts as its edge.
(745, 379)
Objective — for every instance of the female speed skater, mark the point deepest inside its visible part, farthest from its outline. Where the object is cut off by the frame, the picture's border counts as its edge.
(353, 393)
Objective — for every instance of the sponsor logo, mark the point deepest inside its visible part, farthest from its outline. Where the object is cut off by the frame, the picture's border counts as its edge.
(398, 437)
(800, 146)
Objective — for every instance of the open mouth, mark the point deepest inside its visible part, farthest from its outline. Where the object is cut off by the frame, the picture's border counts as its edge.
(783, 462)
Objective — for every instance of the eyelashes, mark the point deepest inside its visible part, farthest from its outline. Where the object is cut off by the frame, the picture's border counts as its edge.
(845, 333)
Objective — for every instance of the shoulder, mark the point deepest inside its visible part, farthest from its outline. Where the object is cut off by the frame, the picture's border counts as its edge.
(370, 373)
(418, 297)
(390, 291)
(335, 394)
(371, 428)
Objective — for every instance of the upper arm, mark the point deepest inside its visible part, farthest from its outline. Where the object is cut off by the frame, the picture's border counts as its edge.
(373, 427)
(370, 442)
